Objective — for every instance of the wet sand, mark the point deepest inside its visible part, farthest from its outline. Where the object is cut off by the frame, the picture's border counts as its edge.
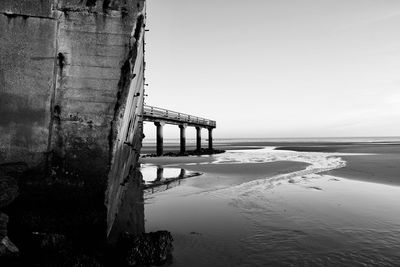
(242, 213)
(321, 222)
(260, 170)
(381, 163)
(381, 168)
(150, 148)
(222, 175)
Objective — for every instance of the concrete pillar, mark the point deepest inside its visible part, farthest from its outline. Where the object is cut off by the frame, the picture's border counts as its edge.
(160, 138)
(183, 138)
(198, 138)
(210, 139)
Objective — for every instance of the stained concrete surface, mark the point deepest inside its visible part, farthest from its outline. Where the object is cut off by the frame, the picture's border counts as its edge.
(71, 96)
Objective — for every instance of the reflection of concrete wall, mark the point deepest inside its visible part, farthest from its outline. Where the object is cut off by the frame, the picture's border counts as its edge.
(130, 217)
(71, 89)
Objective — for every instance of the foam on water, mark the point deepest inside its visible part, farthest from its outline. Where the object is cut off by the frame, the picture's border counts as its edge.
(319, 162)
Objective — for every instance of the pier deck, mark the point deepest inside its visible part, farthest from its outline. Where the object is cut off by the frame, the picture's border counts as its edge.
(161, 116)
(156, 114)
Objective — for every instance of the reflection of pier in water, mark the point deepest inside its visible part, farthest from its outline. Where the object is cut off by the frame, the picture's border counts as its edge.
(130, 217)
(158, 179)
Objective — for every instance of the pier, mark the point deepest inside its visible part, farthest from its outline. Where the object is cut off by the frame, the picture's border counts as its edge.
(161, 116)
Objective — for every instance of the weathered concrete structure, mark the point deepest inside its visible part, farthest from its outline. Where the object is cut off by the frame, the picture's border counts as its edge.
(161, 116)
(71, 92)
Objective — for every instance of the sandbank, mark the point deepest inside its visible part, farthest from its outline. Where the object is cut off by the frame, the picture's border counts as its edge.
(176, 160)
(380, 164)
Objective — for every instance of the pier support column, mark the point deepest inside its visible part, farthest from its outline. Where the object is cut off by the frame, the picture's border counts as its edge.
(183, 138)
(160, 138)
(198, 138)
(210, 139)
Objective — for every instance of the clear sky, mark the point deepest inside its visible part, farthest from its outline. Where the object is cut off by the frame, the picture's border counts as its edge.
(277, 68)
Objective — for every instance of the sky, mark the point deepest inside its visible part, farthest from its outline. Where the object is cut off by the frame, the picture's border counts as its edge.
(276, 68)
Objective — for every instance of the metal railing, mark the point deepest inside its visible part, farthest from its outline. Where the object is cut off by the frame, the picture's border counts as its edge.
(155, 112)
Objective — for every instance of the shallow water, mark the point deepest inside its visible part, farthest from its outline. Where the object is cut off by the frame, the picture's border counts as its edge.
(152, 174)
(295, 219)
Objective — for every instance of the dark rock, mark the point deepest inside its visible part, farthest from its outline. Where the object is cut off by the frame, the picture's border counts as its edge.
(58, 250)
(15, 169)
(50, 242)
(8, 189)
(3, 225)
(7, 248)
(147, 249)
(85, 261)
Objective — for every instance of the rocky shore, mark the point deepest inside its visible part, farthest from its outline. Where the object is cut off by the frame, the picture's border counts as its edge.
(8, 193)
(45, 221)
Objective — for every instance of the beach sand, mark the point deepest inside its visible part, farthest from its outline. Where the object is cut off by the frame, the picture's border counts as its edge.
(328, 222)
(283, 208)
(380, 162)
(217, 176)
(381, 168)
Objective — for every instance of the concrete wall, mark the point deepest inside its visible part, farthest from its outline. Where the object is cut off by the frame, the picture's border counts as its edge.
(71, 90)
(127, 128)
(27, 49)
(31, 8)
